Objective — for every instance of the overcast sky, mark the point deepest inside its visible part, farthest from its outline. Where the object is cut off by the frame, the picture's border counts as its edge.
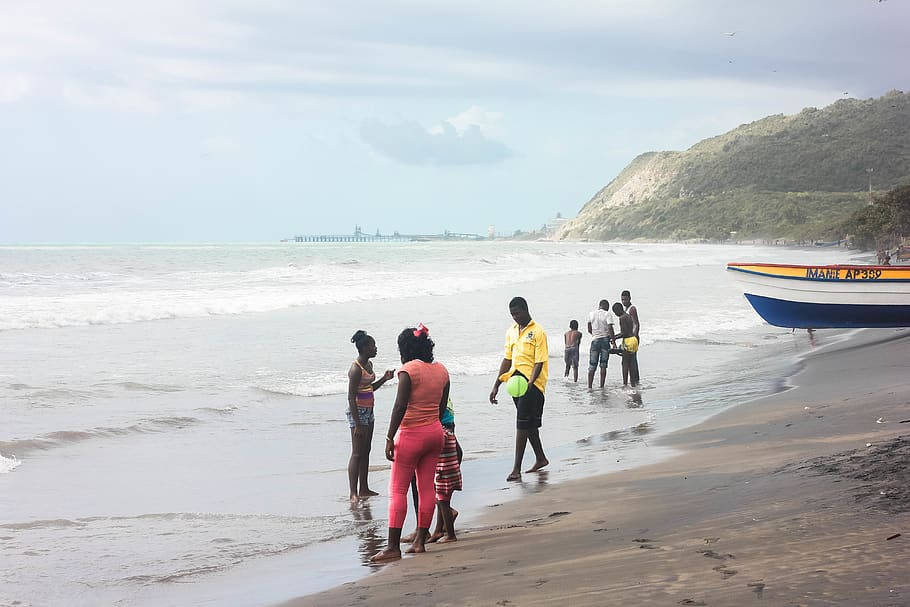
(177, 120)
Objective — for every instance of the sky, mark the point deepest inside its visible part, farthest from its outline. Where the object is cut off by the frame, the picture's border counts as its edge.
(179, 120)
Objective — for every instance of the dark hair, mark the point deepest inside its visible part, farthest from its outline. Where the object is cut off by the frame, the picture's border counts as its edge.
(413, 347)
(618, 309)
(604, 304)
(360, 339)
(518, 302)
(626, 294)
(573, 324)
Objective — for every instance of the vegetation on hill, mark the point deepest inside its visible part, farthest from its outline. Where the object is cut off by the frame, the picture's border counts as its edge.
(799, 177)
(882, 225)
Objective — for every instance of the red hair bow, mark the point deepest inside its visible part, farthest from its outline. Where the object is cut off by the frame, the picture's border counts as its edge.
(421, 330)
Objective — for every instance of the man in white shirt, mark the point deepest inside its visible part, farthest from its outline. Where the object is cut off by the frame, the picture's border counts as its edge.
(600, 326)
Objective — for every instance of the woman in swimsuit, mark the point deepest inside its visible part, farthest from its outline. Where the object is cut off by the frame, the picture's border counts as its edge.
(361, 384)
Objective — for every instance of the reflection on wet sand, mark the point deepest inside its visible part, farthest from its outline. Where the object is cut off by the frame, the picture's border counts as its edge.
(635, 401)
(537, 484)
(369, 534)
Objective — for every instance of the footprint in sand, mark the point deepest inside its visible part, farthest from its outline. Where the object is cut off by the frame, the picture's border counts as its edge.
(724, 571)
(692, 602)
(757, 587)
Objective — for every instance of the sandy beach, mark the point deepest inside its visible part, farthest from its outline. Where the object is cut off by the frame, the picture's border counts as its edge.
(800, 498)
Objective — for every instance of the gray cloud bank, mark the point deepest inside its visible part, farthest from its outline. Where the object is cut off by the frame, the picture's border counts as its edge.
(410, 143)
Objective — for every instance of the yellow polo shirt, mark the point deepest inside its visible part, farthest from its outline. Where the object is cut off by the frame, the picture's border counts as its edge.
(526, 348)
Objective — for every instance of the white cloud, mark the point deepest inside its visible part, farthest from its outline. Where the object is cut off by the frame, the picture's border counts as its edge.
(410, 143)
(488, 122)
(219, 145)
(120, 98)
(13, 87)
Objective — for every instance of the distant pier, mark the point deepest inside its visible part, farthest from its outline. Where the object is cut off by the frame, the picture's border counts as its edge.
(360, 236)
(351, 238)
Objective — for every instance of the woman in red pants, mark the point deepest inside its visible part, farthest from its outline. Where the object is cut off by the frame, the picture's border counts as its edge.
(415, 437)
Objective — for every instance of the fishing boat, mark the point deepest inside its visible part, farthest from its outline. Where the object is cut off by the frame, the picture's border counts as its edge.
(817, 297)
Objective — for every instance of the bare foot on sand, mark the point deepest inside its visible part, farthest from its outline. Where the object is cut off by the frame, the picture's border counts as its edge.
(409, 538)
(435, 538)
(515, 476)
(367, 493)
(388, 554)
(537, 466)
(416, 549)
(447, 539)
(439, 534)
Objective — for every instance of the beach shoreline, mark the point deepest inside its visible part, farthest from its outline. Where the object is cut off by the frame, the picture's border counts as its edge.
(765, 500)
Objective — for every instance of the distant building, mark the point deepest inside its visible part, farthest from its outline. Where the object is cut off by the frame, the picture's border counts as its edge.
(553, 226)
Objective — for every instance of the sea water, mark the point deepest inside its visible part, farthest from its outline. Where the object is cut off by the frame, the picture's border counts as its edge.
(171, 415)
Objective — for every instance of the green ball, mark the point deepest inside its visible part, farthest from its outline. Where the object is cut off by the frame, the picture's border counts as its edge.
(517, 386)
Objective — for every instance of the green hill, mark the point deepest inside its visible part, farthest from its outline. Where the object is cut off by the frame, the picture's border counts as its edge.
(797, 176)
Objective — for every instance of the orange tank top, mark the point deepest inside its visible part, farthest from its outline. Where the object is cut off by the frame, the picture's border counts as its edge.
(427, 383)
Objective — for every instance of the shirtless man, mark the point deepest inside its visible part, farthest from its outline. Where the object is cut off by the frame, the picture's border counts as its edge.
(631, 310)
(573, 341)
(629, 357)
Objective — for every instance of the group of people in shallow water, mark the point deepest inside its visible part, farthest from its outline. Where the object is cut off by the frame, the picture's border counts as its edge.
(602, 325)
(421, 442)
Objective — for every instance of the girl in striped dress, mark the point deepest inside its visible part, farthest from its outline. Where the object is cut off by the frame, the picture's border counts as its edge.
(448, 480)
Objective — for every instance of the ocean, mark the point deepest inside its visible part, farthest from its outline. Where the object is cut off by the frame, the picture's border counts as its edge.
(172, 422)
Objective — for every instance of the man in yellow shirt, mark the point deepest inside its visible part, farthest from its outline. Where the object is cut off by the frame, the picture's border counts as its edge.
(526, 354)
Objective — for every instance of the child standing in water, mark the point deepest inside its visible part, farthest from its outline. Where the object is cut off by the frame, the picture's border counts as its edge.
(362, 383)
(573, 342)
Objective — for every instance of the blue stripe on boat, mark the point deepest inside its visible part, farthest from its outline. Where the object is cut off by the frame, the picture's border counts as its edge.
(794, 314)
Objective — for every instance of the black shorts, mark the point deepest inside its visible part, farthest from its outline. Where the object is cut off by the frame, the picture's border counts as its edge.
(529, 409)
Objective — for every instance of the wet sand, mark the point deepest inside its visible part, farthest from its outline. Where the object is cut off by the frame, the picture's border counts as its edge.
(801, 498)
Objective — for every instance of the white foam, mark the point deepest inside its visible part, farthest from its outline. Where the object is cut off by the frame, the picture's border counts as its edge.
(191, 285)
(8, 464)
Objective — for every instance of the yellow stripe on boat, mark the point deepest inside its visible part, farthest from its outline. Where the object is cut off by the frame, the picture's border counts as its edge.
(838, 272)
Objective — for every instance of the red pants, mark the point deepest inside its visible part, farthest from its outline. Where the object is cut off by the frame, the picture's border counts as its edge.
(416, 451)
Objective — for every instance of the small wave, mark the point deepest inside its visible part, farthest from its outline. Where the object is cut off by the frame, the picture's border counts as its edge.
(220, 410)
(57, 523)
(304, 390)
(63, 438)
(8, 464)
(301, 384)
(140, 387)
(707, 342)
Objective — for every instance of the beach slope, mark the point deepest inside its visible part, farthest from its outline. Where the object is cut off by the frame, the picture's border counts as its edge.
(794, 499)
